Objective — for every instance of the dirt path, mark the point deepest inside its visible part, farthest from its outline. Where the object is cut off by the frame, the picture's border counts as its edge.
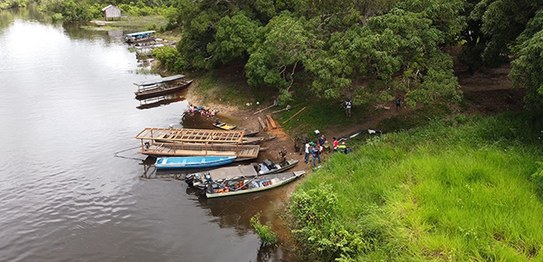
(484, 93)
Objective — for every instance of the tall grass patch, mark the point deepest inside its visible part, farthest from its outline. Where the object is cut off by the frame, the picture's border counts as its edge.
(435, 193)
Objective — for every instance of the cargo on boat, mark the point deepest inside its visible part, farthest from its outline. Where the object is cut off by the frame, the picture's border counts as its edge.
(247, 185)
(202, 179)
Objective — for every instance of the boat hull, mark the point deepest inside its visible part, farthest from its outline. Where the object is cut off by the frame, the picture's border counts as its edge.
(224, 126)
(161, 91)
(192, 162)
(259, 184)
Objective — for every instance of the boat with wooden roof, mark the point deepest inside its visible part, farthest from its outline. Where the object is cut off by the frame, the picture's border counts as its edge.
(139, 37)
(242, 152)
(192, 162)
(240, 186)
(195, 142)
(191, 135)
(161, 87)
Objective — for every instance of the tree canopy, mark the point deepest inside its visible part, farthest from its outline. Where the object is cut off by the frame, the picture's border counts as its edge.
(368, 50)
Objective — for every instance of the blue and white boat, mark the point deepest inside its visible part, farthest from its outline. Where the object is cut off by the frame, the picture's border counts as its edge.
(193, 161)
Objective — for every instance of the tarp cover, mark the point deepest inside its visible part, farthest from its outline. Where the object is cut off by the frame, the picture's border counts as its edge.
(158, 81)
(233, 171)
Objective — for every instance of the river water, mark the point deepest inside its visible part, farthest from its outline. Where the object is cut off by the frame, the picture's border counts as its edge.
(67, 106)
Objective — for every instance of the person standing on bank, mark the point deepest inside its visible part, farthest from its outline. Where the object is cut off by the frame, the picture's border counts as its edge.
(348, 107)
(398, 102)
(306, 147)
(322, 140)
(315, 153)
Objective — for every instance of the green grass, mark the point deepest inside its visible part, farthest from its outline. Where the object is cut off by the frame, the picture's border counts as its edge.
(445, 192)
(151, 22)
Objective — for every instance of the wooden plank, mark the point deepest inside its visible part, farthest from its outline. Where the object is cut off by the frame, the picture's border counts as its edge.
(192, 135)
(299, 111)
(262, 124)
(271, 122)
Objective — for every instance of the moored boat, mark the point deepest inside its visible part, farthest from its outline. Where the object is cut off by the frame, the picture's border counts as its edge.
(139, 37)
(161, 87)
(202, 179)
(223, 125)
(250, 185)
(193, 162)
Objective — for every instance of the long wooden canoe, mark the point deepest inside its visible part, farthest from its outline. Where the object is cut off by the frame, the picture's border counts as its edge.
(256, 184)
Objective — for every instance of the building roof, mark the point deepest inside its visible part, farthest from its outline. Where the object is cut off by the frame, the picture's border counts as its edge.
(109, 6)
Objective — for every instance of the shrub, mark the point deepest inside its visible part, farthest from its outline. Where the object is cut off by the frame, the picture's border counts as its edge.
(169, 57)
(267, 236)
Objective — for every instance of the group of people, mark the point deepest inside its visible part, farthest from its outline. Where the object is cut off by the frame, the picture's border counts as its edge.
(320, 146)
(202, 110)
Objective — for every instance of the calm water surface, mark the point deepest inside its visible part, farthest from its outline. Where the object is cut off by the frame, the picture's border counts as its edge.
(67, 106)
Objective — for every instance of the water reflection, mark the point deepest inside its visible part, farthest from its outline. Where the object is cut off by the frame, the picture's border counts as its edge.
(63, 193)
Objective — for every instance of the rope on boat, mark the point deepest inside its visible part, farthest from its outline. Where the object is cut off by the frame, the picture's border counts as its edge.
(116, 154)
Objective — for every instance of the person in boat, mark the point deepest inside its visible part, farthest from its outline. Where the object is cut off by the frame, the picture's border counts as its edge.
(335, 144)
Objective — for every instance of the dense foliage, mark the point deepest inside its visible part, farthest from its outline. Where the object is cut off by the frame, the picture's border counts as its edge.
(83, 11)
(369, 50)
(461, 192)
(7, 4)
(529, 63)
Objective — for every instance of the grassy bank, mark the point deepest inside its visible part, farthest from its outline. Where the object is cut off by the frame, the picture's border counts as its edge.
(445, 192)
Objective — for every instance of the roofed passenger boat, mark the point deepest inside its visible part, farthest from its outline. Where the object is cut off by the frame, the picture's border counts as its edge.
(241, 152)
(191, 135)
(195, 142)
(161, 87)
(140, 37)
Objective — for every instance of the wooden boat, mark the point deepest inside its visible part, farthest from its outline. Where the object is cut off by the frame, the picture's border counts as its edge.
(249, 133)
(195, 142)
(193, 162)
(189, 135)
(161, 87)
(223, 125)
(245, 141)
(266, 167)
(250, 185)
(242, 152)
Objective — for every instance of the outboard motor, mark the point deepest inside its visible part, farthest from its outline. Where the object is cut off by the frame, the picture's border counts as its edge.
(189, 179)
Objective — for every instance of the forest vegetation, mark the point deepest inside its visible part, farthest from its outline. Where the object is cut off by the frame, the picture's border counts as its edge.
(469, 188)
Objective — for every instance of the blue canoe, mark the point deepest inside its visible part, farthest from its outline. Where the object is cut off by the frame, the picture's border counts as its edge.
(193, 161)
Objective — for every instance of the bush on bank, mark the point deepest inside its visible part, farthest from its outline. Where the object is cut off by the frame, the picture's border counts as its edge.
(445, 192)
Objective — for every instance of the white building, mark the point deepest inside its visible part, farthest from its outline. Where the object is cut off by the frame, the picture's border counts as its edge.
(111, 12)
